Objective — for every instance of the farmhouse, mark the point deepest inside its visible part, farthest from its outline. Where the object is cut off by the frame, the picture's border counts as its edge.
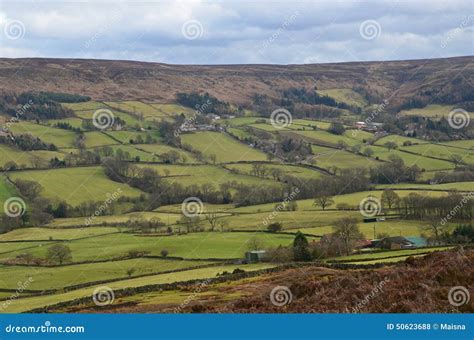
(394, 242)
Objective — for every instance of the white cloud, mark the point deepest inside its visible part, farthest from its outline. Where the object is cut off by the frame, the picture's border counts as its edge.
(238, 32)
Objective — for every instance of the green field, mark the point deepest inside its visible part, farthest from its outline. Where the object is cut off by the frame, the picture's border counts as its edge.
(29, 303)
(156, 150)
(59, 137)
(328, 157)
(204, 245)
(422, 162)
(225, 148)
(41, 234)
(76, 185)
(58, 277)
(347, 96)
(432, 111)
(287, 170)
(327, 138)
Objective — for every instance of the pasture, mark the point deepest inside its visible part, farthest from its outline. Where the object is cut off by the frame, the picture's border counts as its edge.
(225, 148)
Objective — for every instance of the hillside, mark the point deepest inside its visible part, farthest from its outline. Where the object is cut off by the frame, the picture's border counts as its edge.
(110, 80)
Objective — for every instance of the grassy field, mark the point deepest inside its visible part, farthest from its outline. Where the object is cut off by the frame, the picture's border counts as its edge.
(347, 96)
(325, 137)
(329, 157)
(76, 185)
(25, 304)
(216, 245)
(223, 147)
(58, 277)
(59, 137)
(432, 111)
(463, 144)
(26, 158)
(410, 159)
(156, 150)
(167, 218)
(287, 169)
(385, 254)
(461, 186)
(98, 138)
(40, 234)
(441, 151)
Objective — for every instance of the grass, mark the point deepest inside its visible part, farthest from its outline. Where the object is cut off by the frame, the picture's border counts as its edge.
(399, 140)
(223, 147)
(167, 218)
(39, 234)
(58, 277)
(461, 186)
(7, 190)
(76, 185)
(432, 111)
(59, 137)
(327, 138)
(287, 169)
(347, 96)
(97, 138)
(422, 162)
(204, 245)
(386, 254)
(156, 150)
(25, 304)
(172, 109)
(441, 151)
(329, 157)
(188, 175)
(464, 144)
(26, 158)
(125, 136)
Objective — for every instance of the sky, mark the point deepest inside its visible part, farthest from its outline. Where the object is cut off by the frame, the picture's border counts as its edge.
(237, 32)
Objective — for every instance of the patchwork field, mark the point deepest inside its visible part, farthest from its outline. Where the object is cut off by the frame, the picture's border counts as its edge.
(76, 185)
(223, 147)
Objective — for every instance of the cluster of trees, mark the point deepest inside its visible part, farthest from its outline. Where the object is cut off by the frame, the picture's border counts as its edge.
(394, 171)
(42, 105)
(35, 213)
(26, 142)
(204, 103)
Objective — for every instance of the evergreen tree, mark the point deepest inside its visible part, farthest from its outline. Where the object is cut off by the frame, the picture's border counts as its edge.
(300, 248)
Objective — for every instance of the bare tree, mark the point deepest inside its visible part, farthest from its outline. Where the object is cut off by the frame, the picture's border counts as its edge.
(323, 201)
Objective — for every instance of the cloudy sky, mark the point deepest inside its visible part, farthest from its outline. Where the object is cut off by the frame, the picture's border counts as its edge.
(225, 32)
